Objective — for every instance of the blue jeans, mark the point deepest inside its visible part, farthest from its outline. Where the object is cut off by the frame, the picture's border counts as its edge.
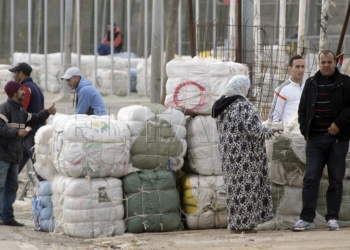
(8, 189)
(104, 49)
(321, 150)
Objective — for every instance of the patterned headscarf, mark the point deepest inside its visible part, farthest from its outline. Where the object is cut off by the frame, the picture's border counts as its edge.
(238, 85)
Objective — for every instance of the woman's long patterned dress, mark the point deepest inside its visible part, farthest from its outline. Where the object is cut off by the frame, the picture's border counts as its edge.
(244, 165)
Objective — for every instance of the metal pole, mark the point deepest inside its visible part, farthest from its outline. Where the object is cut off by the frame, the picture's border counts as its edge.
(179, 29)
(12, 40)
(232, 22)
(112, 45)
(146, 45)
(161, 41)
(156, 53)
(301, 27)
(214, 27)
(324, 24)
(192, 29)
(67, 44)
(62, 31)
(281, 41)
(128, 44)
(196, 22)
(257, 39)
(29, 31)
(95, 39)
(104, 19)
(45, 44)
(78, 31)
(239, 32)
(345, 25)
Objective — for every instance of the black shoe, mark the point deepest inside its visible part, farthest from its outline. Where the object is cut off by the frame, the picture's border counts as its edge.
(244, 231)
(14, 223)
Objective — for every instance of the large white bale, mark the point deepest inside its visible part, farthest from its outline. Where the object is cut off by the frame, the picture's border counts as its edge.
(88, 208)
(43, 157)
(202, 145)
(195, 84)
(104, 82)
(91, 146)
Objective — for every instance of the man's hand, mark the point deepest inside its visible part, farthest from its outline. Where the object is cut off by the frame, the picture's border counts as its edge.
(333, 129)
(52, 109)
(22, 132)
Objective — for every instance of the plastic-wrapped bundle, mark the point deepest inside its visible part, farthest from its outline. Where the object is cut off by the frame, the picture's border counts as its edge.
(157, 136)
(94, 146)
(104, 82)
(202, 145)
(205, 202)
(42, 209)
(195, 84)
(88, 208)
(43, 158)
(152, 202)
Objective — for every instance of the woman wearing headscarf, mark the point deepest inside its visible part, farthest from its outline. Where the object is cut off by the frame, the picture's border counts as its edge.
(243, 155)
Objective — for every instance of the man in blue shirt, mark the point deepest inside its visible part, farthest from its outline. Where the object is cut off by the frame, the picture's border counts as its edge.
(88, 100)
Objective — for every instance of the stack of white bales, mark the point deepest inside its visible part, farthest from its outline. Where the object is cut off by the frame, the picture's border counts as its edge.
(204, 198)
(5, 74)
(36, 62)
(90, 153)
(104, 82)
(157, 144)
(195, 84)
(143, 85)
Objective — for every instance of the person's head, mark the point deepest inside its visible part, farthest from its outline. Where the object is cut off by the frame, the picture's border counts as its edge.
(238, 85)
(72, 77)
(15, 91)
(109, 26)
(21, 71)
(327, 62)
(297, 68)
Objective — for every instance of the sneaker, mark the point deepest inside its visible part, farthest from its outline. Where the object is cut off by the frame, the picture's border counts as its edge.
(14, 223)
(302, 225)
(333, 225)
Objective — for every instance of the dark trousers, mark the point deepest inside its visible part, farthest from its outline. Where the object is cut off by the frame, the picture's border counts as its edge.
(321, 150)
(28, 144)
(104, 49)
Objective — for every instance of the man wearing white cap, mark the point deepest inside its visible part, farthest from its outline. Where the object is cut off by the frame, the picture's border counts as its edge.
(88, 100)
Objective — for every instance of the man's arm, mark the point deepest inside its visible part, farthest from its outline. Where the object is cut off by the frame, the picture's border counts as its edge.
(39, 118)
(277, 107)
(5, 130)
(117, 40)
(302, 112)
(27, 95)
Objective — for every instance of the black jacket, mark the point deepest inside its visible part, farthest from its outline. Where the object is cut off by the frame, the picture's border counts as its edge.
(12, 118)
(340, 104)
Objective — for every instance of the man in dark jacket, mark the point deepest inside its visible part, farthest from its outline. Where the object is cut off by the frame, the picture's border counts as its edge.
(15, 123)
(324, 118)
(33, 103)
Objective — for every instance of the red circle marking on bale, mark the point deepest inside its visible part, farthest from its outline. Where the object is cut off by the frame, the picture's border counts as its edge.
(180, 86)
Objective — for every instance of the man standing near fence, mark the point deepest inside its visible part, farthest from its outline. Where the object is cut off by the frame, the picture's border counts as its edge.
(287, 95)
(324, 118)
(88, 100)
(33, 103)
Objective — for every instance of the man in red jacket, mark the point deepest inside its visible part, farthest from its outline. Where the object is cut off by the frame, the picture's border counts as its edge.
(105, 47)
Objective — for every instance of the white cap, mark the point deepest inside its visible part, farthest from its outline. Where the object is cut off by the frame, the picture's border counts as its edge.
(72, 71)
